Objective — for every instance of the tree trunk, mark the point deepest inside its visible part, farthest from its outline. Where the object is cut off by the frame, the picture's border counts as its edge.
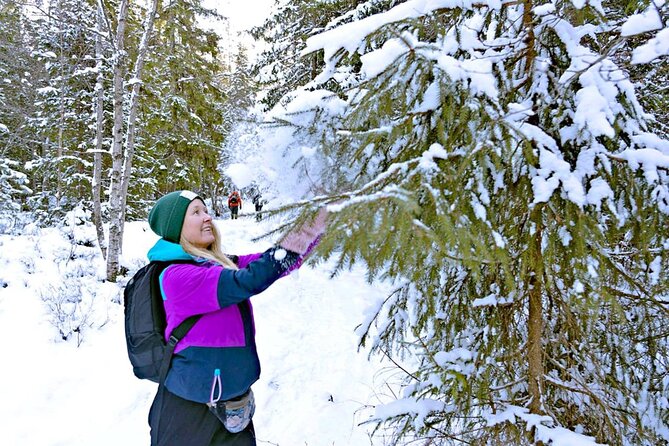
(122, 159)
(116, 213)
(134, 102)
(97, 155)
(535, 321)
(534, 347)
(61, 109)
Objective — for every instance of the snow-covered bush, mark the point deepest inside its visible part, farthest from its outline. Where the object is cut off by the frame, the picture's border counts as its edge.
(70, 293)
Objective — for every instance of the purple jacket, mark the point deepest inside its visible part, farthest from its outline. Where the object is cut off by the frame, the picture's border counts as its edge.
(224, 337)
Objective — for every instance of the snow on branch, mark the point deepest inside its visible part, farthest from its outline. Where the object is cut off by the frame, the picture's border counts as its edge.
(350, 35)
(647, 21)
(650, 160)
(544, 427)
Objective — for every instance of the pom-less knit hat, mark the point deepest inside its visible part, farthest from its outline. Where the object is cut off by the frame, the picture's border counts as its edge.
(167, 216)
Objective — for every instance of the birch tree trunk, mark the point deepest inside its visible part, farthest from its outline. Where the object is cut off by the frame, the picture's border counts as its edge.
(122, 159)
(97, 154)
(115, 234)
(134, 102)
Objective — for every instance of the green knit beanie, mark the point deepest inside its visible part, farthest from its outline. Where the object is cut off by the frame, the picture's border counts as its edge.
(167, 216)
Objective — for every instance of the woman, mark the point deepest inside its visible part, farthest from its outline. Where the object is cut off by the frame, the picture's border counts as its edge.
(216, 363)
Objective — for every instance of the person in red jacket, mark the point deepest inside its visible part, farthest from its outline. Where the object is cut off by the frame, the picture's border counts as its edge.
(234, 204)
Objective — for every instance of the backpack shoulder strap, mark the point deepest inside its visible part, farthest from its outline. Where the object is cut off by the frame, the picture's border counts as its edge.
(182, 329)
(177, 335)
(179, 332)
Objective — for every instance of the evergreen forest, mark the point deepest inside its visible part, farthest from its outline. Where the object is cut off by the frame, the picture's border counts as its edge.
(503, 163)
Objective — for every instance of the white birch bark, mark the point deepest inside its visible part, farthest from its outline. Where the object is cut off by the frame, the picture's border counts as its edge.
(97, 155)
(122, 154)
(134, 102)
(114, 247)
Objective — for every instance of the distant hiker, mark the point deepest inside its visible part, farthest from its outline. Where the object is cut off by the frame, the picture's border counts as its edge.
(206, 399)
(234, 204)
(258, 203)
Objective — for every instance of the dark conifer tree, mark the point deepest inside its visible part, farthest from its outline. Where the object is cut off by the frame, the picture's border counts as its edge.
(182, 112)
(282, 67)
(65, 49)
(18, 74)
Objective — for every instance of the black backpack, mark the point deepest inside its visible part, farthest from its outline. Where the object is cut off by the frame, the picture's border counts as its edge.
(145, 324)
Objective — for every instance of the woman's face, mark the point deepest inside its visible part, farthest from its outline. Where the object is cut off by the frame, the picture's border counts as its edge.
(197, 227)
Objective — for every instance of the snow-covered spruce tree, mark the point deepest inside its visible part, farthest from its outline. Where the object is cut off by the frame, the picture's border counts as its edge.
(239, 87)
(64, 46)
(502, 173)
(654, 77)
(13, 185)
(280, 67)
(17, 91)
(240, 91)
(181, 111)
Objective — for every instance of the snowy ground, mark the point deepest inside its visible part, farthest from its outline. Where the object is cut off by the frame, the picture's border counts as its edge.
(315, 388)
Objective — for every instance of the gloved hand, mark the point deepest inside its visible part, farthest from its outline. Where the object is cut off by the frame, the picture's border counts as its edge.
(299, 239)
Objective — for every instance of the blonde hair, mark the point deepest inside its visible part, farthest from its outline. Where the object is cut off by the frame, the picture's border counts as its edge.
(212, 253)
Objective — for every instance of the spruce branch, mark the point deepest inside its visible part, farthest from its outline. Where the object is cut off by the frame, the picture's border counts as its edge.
(387, 355)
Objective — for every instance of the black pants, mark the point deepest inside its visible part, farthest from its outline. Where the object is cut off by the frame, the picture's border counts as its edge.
(233, 212)
(175, 421)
